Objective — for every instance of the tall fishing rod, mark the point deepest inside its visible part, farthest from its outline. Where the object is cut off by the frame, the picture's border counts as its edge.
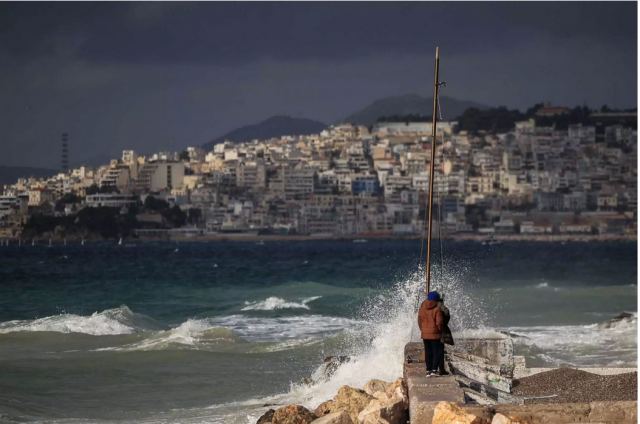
(436, 87)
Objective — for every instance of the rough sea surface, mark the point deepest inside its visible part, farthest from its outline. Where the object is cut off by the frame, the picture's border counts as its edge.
(212, 332)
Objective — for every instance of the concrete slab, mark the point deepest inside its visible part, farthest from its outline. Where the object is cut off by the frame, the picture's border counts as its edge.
(526, 372)
(425, 392)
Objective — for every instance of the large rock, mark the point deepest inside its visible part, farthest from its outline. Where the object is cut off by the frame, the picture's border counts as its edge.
(325, 408)
(351, 400)
(340, 417)
(375, 385)
(266, 417)
(505, 419)
(398, 389)
(381, 396)
(450, 413)
(391, 411)
(331, 364)
(292, 414)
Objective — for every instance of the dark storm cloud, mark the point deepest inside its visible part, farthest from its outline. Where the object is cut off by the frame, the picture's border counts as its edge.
(235, 33)
(162, 75)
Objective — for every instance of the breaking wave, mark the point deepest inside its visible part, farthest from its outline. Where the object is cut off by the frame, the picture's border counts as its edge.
(265, 334)
(108, 322)
(258, 333)
(273, 303)
(191, 334)
(376, 350)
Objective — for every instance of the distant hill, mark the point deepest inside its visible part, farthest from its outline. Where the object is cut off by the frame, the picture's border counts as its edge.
(276, 126)
(10, 174)
(410, 104)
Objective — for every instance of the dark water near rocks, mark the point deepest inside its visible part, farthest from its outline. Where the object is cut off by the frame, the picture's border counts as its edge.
(209, 332)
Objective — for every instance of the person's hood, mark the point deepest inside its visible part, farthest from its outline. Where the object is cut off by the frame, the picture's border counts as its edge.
(430, 304)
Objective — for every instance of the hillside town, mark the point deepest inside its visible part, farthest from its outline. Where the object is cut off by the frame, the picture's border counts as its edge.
(350, 181)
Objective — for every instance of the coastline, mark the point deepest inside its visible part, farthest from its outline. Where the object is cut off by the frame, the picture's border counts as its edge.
(254, 237)
(560, 238)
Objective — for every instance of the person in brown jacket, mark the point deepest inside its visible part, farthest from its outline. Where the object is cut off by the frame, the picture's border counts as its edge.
(431, 322)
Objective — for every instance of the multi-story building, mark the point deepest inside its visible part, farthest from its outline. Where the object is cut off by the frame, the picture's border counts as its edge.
(160, 176)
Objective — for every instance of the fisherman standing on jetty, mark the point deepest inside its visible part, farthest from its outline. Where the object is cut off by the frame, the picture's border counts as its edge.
(431, 323)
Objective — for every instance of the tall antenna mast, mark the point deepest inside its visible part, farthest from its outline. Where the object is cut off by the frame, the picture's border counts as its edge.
(436, 86)
(64, 157)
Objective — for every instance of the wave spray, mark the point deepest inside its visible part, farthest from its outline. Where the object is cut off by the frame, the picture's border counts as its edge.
(376, 349)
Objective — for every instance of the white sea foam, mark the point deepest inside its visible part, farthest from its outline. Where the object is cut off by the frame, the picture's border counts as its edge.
(285, 328)
(272, 303)
(546, 286)
(191, 334)
(108, 322)
(480, 333)
(203, 334)
(604, 344)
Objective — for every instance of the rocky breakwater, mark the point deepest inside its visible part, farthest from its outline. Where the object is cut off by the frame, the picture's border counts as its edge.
(378, 402)
(618, 412)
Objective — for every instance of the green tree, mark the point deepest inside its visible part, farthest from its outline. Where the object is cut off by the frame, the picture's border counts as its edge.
(67, 199)
(175, 216)
(153, 204)
(194, 215)
(92, 189)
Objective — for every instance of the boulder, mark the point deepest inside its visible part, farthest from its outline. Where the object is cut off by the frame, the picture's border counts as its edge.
(375, 385)
(266, 417)
(381, 396)
(331, 364)
(325, 408)
(351, 400)
(390, 411)
(398, 389)
(292, 414)
(340, 417)
(506, 419)
(450, 413)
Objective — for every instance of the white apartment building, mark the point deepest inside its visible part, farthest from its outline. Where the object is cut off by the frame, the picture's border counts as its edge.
(118, 176)
(159, 176)
(251, 175)
(396, 183)
(40, 196)
(298, 181)
(12, 204)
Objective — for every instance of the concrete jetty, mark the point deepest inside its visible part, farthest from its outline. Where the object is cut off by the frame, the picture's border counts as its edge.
(481, 380)
(425, 392)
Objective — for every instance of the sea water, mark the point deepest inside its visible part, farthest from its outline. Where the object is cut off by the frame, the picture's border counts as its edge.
(217, 332)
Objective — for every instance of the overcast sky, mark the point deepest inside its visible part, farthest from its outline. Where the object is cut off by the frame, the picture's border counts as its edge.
(153, 76)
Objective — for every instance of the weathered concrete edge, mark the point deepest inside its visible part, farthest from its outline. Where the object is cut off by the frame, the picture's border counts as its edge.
(526, 372)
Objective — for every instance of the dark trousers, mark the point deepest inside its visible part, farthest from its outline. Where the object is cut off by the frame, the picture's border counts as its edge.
(433, 354)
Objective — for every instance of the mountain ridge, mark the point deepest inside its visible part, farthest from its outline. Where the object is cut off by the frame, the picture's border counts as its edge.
(275, 126)
(410, 104)
(406, 104)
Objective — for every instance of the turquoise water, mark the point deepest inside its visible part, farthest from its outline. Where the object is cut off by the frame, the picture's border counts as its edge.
(210, 332)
